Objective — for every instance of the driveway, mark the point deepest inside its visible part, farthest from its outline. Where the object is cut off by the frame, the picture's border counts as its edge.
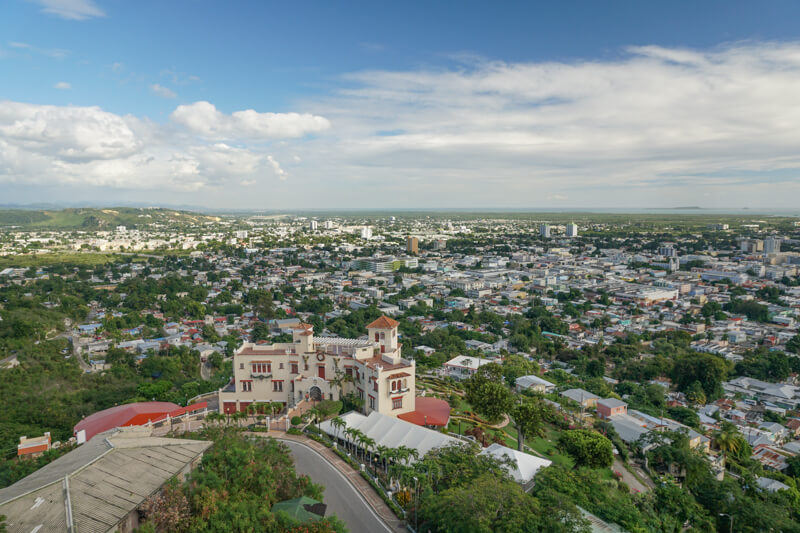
(634, 485)
(341, 497)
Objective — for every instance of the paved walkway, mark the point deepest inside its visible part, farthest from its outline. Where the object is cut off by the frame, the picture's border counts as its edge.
(359, 483)
(634, 485)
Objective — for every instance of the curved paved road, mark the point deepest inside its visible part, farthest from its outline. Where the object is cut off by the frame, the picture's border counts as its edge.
(342, 498)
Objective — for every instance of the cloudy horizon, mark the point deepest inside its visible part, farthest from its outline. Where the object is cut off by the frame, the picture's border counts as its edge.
(640, 126)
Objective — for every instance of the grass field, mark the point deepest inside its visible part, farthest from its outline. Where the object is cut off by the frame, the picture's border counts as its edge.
(40, 260)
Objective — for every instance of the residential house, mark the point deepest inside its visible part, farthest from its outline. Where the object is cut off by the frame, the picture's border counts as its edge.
(585, 398)
(534, 383)
(609, 407)
(464, 367)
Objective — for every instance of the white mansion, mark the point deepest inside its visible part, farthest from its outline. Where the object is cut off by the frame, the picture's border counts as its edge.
(316, 368)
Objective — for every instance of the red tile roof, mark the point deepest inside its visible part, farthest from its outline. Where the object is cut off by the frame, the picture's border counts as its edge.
(384, 322)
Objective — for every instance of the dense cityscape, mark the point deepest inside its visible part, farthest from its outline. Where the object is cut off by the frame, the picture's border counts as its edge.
(584, 371)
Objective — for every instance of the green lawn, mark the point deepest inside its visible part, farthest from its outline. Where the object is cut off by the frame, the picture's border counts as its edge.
(75, 258)
(37, 260)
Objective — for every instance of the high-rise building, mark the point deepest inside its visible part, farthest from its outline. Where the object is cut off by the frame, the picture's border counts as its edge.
(572, 230)
(366, 233)
(544, 231)
(328, 224)
(313, 225)
(751, 246)
(412, 245)
(667, 251)
(241, 234)
(439, 244)
(772, 245)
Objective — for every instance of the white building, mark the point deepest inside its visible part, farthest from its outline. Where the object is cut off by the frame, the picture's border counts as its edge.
(534, 383)
(772, 245)
(390, 432)
(572, 230)
(464, 367)
(366, 233)
(667, 251)
(313, 225)
(310, 368)
(544, 231)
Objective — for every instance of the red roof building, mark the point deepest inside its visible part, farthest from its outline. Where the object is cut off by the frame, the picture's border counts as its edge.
(428, 412)
(132, 414)
(383, 322)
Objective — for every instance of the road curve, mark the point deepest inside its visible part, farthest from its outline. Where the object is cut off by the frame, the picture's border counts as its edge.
(342, 498)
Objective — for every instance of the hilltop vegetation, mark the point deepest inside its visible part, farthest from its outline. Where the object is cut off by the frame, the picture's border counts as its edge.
(98, 219)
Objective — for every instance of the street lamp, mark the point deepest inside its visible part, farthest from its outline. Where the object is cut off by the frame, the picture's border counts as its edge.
(416, 506)
(730, 517)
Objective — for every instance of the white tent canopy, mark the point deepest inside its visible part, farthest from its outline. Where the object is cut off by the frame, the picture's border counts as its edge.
(526, 465)
(391, 432)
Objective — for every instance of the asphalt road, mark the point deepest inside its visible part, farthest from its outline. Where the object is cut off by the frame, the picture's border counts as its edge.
(342, 498)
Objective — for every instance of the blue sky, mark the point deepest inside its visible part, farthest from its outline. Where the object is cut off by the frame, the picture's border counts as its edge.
(388, 104)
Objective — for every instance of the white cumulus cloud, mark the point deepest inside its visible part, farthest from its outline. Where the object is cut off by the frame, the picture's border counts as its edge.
(63, 85)
(601, 132)
(205, 120)
(44, 144)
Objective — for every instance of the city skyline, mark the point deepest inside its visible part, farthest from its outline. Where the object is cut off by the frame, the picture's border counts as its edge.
(315, 107)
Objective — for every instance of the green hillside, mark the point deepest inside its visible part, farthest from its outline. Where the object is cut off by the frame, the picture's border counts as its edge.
(98, 219)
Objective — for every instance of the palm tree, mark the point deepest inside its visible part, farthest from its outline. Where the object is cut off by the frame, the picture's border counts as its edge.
(728, 441)
(405, 454)
(338, 423)
(383, 453)
(339, 379)
(348, 433)
(214, 417)
(357, 436)
(368, 443)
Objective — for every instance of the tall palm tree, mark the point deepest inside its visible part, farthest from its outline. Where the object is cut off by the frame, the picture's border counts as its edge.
(338, 423)
(368, 443)
(383, 452)
(728, 440)
(359, 437)
(348, 433)
(406, 454)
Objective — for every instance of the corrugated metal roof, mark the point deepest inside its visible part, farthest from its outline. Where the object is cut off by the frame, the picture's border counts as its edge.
(103, 481)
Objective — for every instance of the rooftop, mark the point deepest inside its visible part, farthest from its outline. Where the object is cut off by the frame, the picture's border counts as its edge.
(383, 322)
(95, 486)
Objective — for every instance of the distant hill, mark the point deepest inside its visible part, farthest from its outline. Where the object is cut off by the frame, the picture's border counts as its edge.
(98, 219)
